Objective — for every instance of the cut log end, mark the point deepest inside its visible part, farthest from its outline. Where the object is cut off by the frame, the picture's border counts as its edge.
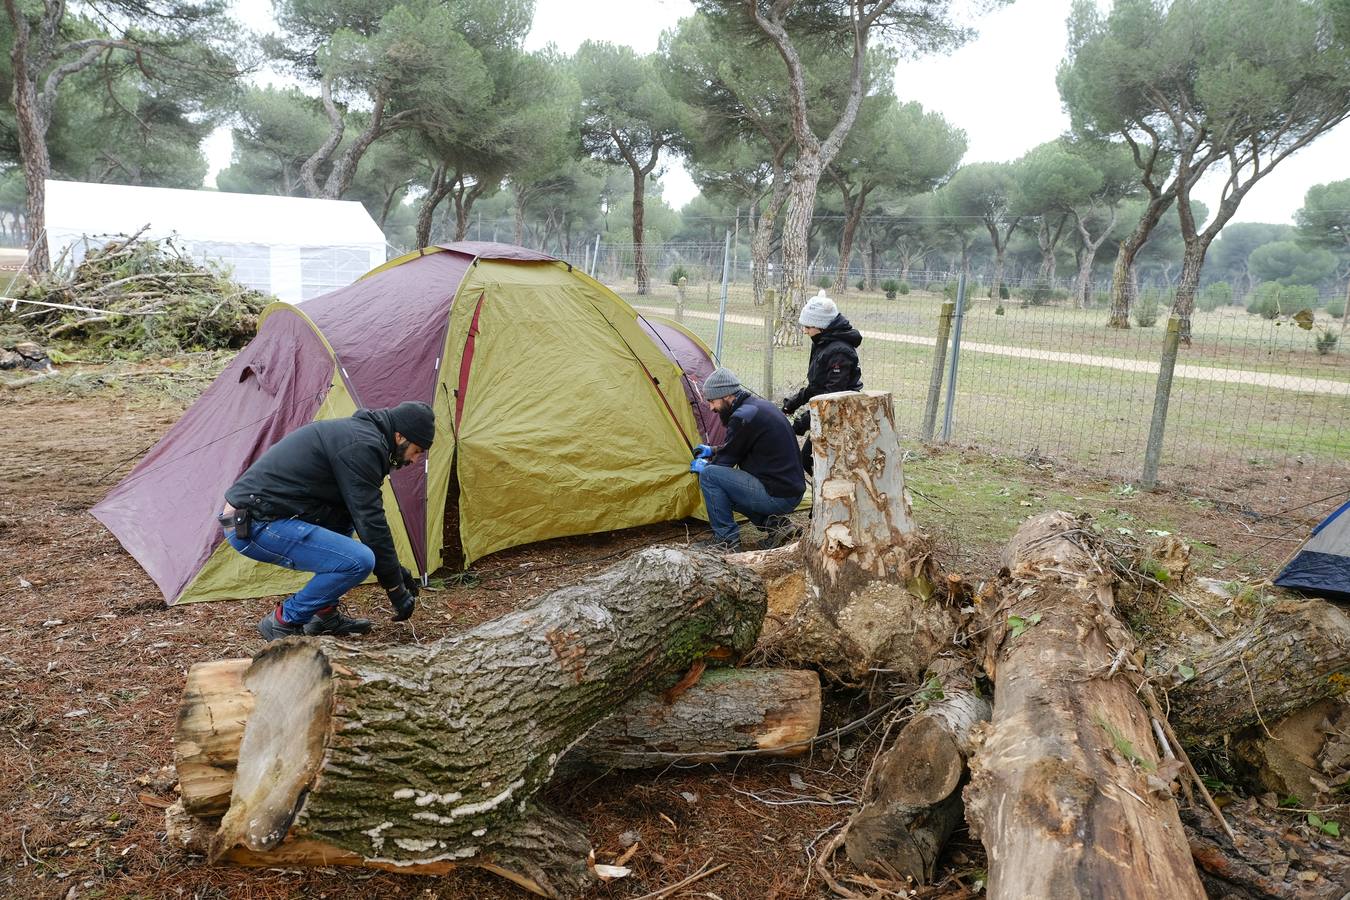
(292, 685)
(929, 769)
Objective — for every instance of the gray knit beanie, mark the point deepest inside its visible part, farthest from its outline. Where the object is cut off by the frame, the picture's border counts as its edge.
(415, 421)
(818, 312)
(721, 383)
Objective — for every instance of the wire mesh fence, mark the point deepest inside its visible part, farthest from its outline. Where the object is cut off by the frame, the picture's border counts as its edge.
(1251, 399)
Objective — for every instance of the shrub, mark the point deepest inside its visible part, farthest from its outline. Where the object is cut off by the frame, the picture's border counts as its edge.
(1039, 295)
(1146, 309)
(903, 287)
(677, 273)
(1220, 293)
(1336, 308)
(824, 281)
(1300, 296)
(998, 310)
(1003, 292)
(890, 286)
(1266, 300)
(861, 284)
(949, 290)
(1326, 341)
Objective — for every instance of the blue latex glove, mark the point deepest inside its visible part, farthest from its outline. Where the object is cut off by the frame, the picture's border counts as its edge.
(698, 465)
(703, 451)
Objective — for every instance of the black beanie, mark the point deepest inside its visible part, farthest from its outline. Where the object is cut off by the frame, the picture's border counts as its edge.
(415, 421)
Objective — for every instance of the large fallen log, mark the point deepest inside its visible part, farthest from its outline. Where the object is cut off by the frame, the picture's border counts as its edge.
(913, 801)
(868, 600)
(773, 712)
(1064, 790)
(1272, 860)
(1295, 654)
(413, 756)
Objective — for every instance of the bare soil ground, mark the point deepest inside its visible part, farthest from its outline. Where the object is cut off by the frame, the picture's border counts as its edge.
(92, 666)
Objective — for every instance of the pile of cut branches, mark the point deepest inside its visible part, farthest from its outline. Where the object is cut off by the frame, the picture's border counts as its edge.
(140, 294)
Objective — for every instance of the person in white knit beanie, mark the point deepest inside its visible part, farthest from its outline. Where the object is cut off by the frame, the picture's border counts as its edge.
(833, 364)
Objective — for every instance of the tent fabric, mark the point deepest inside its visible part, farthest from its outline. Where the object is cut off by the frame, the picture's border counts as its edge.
(685, 349)
(292, 247)
(574, 418)
(1322, 565)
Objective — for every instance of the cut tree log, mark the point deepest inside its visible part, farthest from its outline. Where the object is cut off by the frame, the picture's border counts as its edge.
(868, 601)
(426, 755)
(1065, 790)
(1272, 859)
(1304, 756)
(774, 712)
(1295, 654)
(913, 799)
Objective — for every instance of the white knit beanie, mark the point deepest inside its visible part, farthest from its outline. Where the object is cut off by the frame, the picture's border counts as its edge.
(818, 312)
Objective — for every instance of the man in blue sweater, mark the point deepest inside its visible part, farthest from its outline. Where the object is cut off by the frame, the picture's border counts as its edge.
(758, 470)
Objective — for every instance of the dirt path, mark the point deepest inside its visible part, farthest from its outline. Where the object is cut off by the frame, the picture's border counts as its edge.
(1199, 373)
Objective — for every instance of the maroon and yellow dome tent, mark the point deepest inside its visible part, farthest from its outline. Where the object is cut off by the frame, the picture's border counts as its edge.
(559, 411)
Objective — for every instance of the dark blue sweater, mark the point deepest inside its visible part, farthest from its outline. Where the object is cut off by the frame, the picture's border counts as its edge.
(761, 442)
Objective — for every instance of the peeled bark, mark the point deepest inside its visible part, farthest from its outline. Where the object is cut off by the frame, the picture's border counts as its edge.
(1296, 654)
(1271, 861)
(775, 712)
(1060, 791)
(412, 755)
(869, 601)
(914, 801)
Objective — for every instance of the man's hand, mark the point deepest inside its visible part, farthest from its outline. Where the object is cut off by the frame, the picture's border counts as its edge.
(410, 584)
(787, 407)
(698, 465)
(403, 602)
(703, 451)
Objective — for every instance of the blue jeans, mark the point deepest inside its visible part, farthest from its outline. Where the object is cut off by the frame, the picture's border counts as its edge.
(727, 490)
(339, 562)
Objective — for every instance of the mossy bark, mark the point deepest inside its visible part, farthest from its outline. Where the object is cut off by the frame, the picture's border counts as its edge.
(415, 755)
(1295, 654)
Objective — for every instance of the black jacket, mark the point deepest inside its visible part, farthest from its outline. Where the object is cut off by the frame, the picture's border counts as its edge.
(329, 473)
(760, 441)
(833, 367)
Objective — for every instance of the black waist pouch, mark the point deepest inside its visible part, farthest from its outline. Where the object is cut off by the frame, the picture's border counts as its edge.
(241, 520)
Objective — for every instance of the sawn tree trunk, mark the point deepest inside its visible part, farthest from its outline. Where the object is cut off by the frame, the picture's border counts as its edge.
(417, 756)
(1060, 791)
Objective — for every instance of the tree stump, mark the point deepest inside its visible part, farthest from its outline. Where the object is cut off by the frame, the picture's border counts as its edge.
(1295, 654)
(773, 712)
(913, 803)
(1065, 790)
(868, 599)
(412, 756)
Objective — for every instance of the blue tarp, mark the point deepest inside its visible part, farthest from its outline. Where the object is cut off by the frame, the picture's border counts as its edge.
(1322, 565)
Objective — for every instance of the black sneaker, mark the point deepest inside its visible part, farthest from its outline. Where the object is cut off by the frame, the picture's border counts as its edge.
(780, 530)
(716, 545)
(332, 621)
(272, 628)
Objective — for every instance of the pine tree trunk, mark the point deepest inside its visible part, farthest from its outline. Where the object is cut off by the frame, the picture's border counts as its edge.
(853, 217)
(1059, 791)
(801, 203)
(413, 755)
(639, 212)
(1296, 654)
(999, 254)
(1192, 260)
(867, 600)
(31, 125)
(775, 712)
(520, 220)
(1123, 286)
(914, 801)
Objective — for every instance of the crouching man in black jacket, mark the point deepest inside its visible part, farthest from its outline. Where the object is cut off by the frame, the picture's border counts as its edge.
(757, 472)
(298, 504)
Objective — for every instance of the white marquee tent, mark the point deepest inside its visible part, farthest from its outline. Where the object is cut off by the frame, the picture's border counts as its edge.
(291, 247)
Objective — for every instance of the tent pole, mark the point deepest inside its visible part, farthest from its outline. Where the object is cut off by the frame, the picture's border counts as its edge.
(722, 313)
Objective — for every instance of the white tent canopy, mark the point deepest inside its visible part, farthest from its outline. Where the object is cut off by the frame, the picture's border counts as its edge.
(291, 247)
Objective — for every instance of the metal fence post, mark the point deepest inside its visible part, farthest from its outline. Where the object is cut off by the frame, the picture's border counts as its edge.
(595, 257)
(1161, 396)
(956, 359)
(770, 307)
(935, 380)
(722, 311)
(680, 288)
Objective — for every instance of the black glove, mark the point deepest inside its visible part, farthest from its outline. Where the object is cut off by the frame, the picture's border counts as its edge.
(787, 407)
(410, 584)
(403, 602)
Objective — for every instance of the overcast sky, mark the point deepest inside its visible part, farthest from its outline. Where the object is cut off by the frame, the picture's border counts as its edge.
(1000, 89)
